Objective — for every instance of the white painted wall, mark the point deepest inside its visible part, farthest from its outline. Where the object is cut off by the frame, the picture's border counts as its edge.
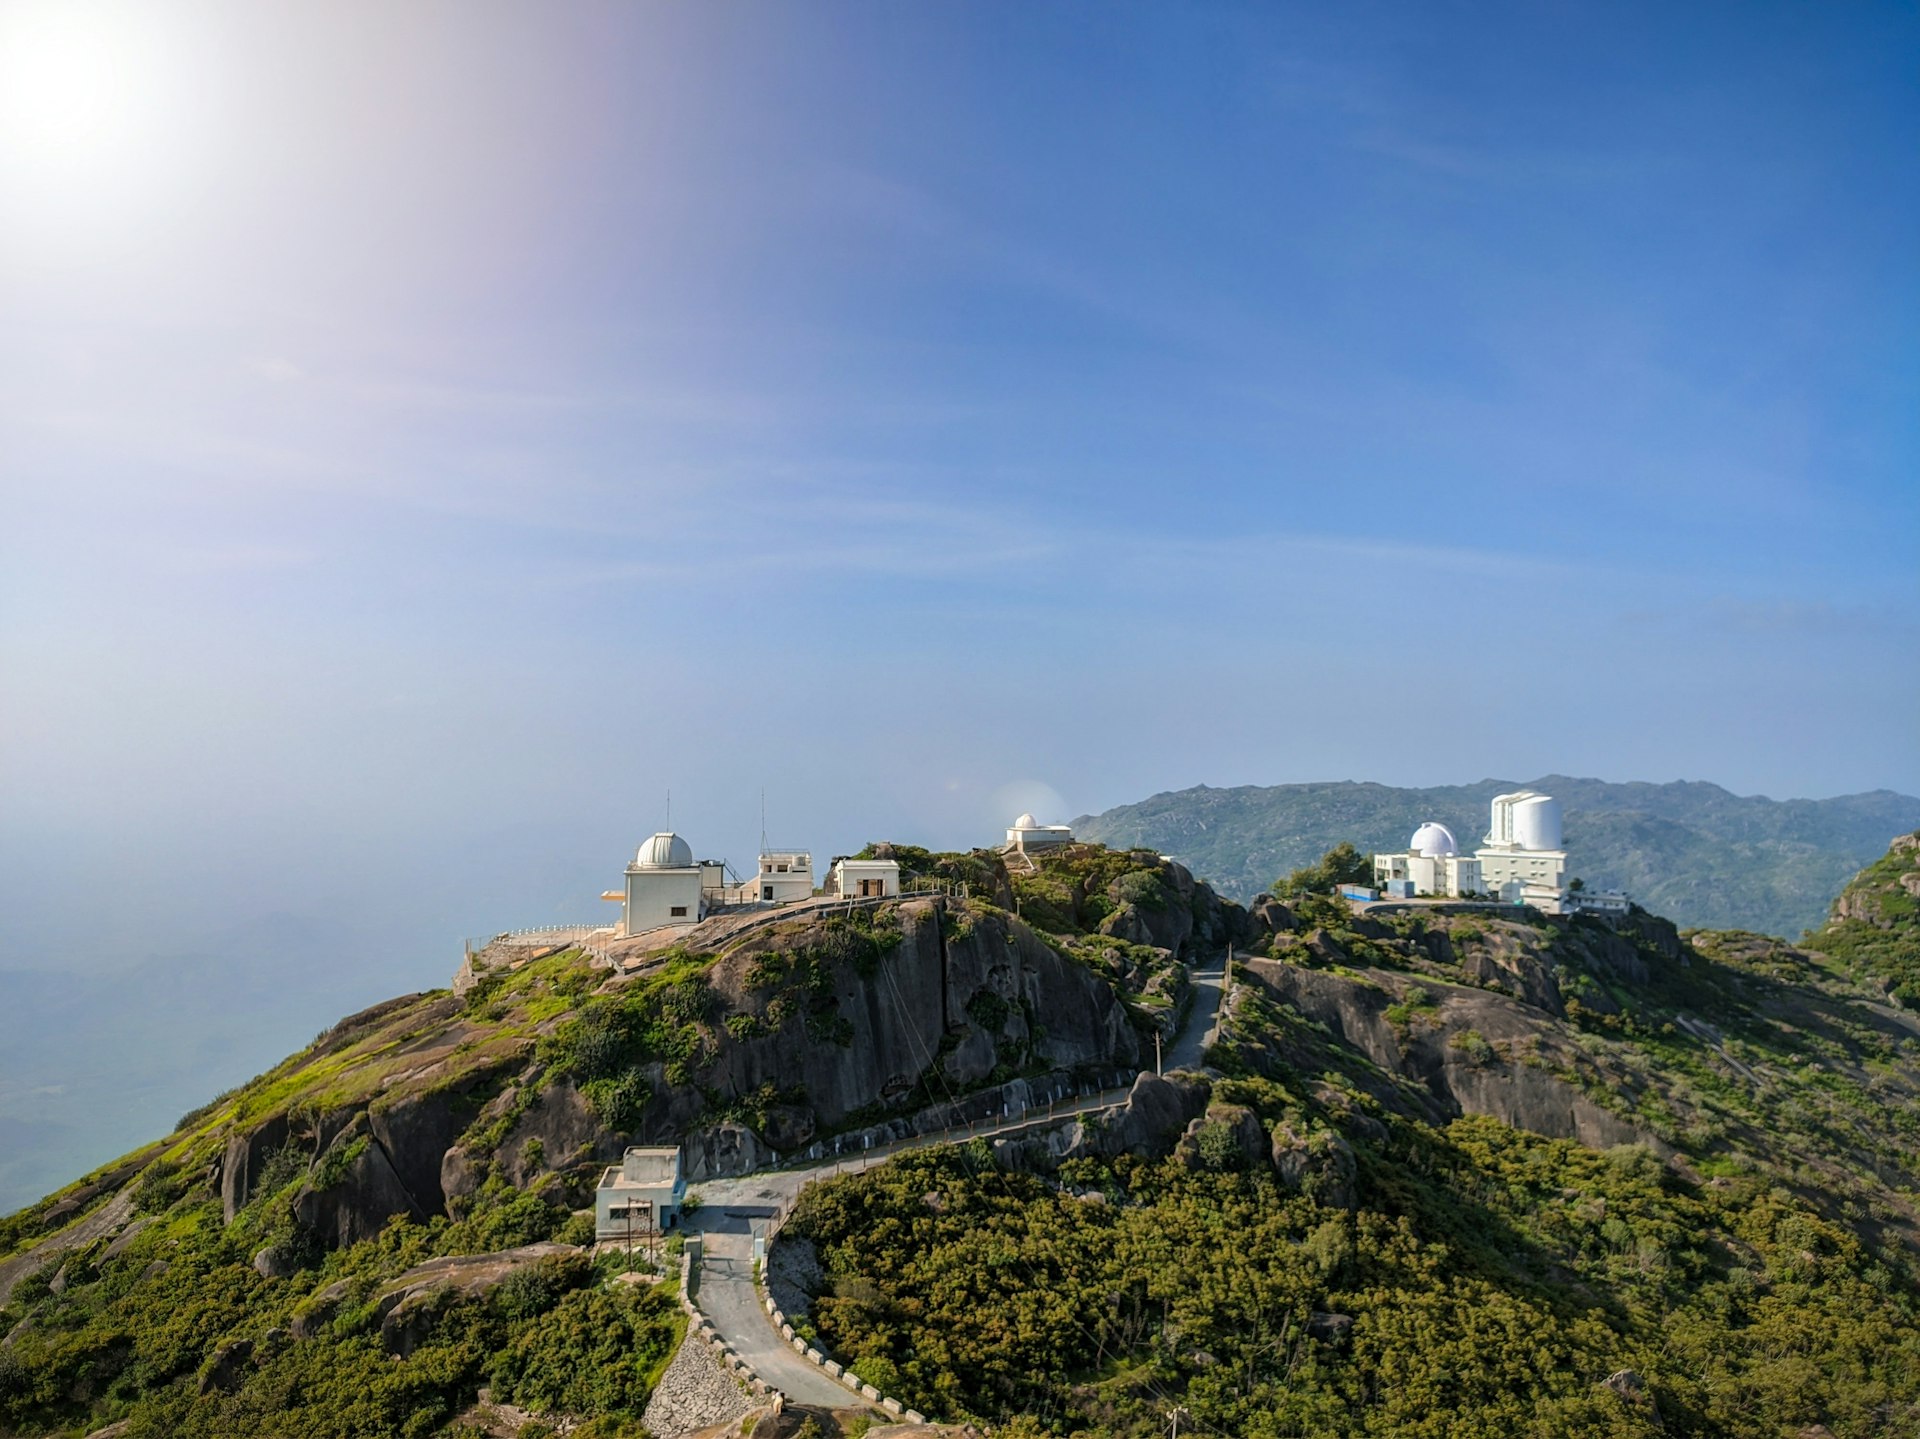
(848, 874)
(654, 894)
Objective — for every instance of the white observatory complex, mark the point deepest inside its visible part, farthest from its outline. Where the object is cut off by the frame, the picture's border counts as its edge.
(1523, 860)
(666, 886)
(1027, 833)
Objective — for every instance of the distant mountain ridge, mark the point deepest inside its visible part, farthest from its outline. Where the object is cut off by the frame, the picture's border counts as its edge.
(1691, 850)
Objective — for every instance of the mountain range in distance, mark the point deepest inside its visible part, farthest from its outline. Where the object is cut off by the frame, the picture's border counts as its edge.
(1695, 852)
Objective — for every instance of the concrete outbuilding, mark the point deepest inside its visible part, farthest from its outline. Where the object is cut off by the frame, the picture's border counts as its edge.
(639, 1196)
(785, 876)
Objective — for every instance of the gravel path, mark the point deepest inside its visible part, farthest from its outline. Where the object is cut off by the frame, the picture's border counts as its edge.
(694, 1393)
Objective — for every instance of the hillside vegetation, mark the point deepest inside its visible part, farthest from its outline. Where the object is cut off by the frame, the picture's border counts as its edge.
(1460, 1175)
(278, 1264)
(1874, 929)
(1693, 852)
(1449, 1172)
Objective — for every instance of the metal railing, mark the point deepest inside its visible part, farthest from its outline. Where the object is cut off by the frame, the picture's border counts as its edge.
(546, 933)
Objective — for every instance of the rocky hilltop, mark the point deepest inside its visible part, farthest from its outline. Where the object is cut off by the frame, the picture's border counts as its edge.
(370, 1235)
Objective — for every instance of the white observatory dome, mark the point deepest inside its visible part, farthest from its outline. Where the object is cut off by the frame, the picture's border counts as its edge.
(1434, 840)
(666, 850)
(1026, 821)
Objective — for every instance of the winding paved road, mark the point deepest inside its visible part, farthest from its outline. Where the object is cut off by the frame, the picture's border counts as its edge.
(734, 1211)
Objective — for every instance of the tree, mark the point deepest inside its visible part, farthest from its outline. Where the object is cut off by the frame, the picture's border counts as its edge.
(1343, 864)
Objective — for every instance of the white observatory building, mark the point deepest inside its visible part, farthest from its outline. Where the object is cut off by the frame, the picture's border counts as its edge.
(664, 886)
(1027, 833)
(1524, 856)
(1431, 865)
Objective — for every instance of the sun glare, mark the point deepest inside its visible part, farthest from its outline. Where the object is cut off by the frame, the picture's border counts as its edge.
(80, 85)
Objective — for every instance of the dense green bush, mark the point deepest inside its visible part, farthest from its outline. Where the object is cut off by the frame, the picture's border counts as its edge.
(132, 1337)
(1492, 1280)
(598, 1351)
(1343, 864)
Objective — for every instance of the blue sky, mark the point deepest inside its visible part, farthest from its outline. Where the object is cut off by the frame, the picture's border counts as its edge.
(429, 434)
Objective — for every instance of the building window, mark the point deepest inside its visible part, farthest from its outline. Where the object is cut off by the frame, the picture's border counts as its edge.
(679, 911)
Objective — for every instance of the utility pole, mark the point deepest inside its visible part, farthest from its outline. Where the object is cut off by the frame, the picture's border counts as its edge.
(1156, 1053)
(1174, 1414)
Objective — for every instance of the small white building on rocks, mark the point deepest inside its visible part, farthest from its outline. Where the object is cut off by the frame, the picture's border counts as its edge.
(864, 878)
(785, 875)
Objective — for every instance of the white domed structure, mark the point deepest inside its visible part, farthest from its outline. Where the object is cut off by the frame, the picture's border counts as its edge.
(665, 886)
(1433, 840)
(1027, 833)
(666, 850)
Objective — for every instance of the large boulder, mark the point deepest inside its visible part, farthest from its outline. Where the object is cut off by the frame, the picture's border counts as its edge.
(723, 1150)
(353, 1189)
(1149, 1121)
(962, 991)
(1317, 1163)
(246, 1157)
(1227, 1136)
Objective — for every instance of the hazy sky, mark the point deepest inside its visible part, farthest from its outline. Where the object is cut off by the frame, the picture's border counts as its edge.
(430, 433)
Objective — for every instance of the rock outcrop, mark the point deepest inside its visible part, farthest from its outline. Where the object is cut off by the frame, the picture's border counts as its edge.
(1150, 1121)
(1462, 1049)
(941, 1009)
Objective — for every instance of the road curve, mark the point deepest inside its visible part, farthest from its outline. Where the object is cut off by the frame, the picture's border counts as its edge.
(734, 1210)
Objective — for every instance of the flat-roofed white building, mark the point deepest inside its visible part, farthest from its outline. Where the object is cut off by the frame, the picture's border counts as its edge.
(785, 875)
(640, 1195)
(1610, 902)
(865, 878)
